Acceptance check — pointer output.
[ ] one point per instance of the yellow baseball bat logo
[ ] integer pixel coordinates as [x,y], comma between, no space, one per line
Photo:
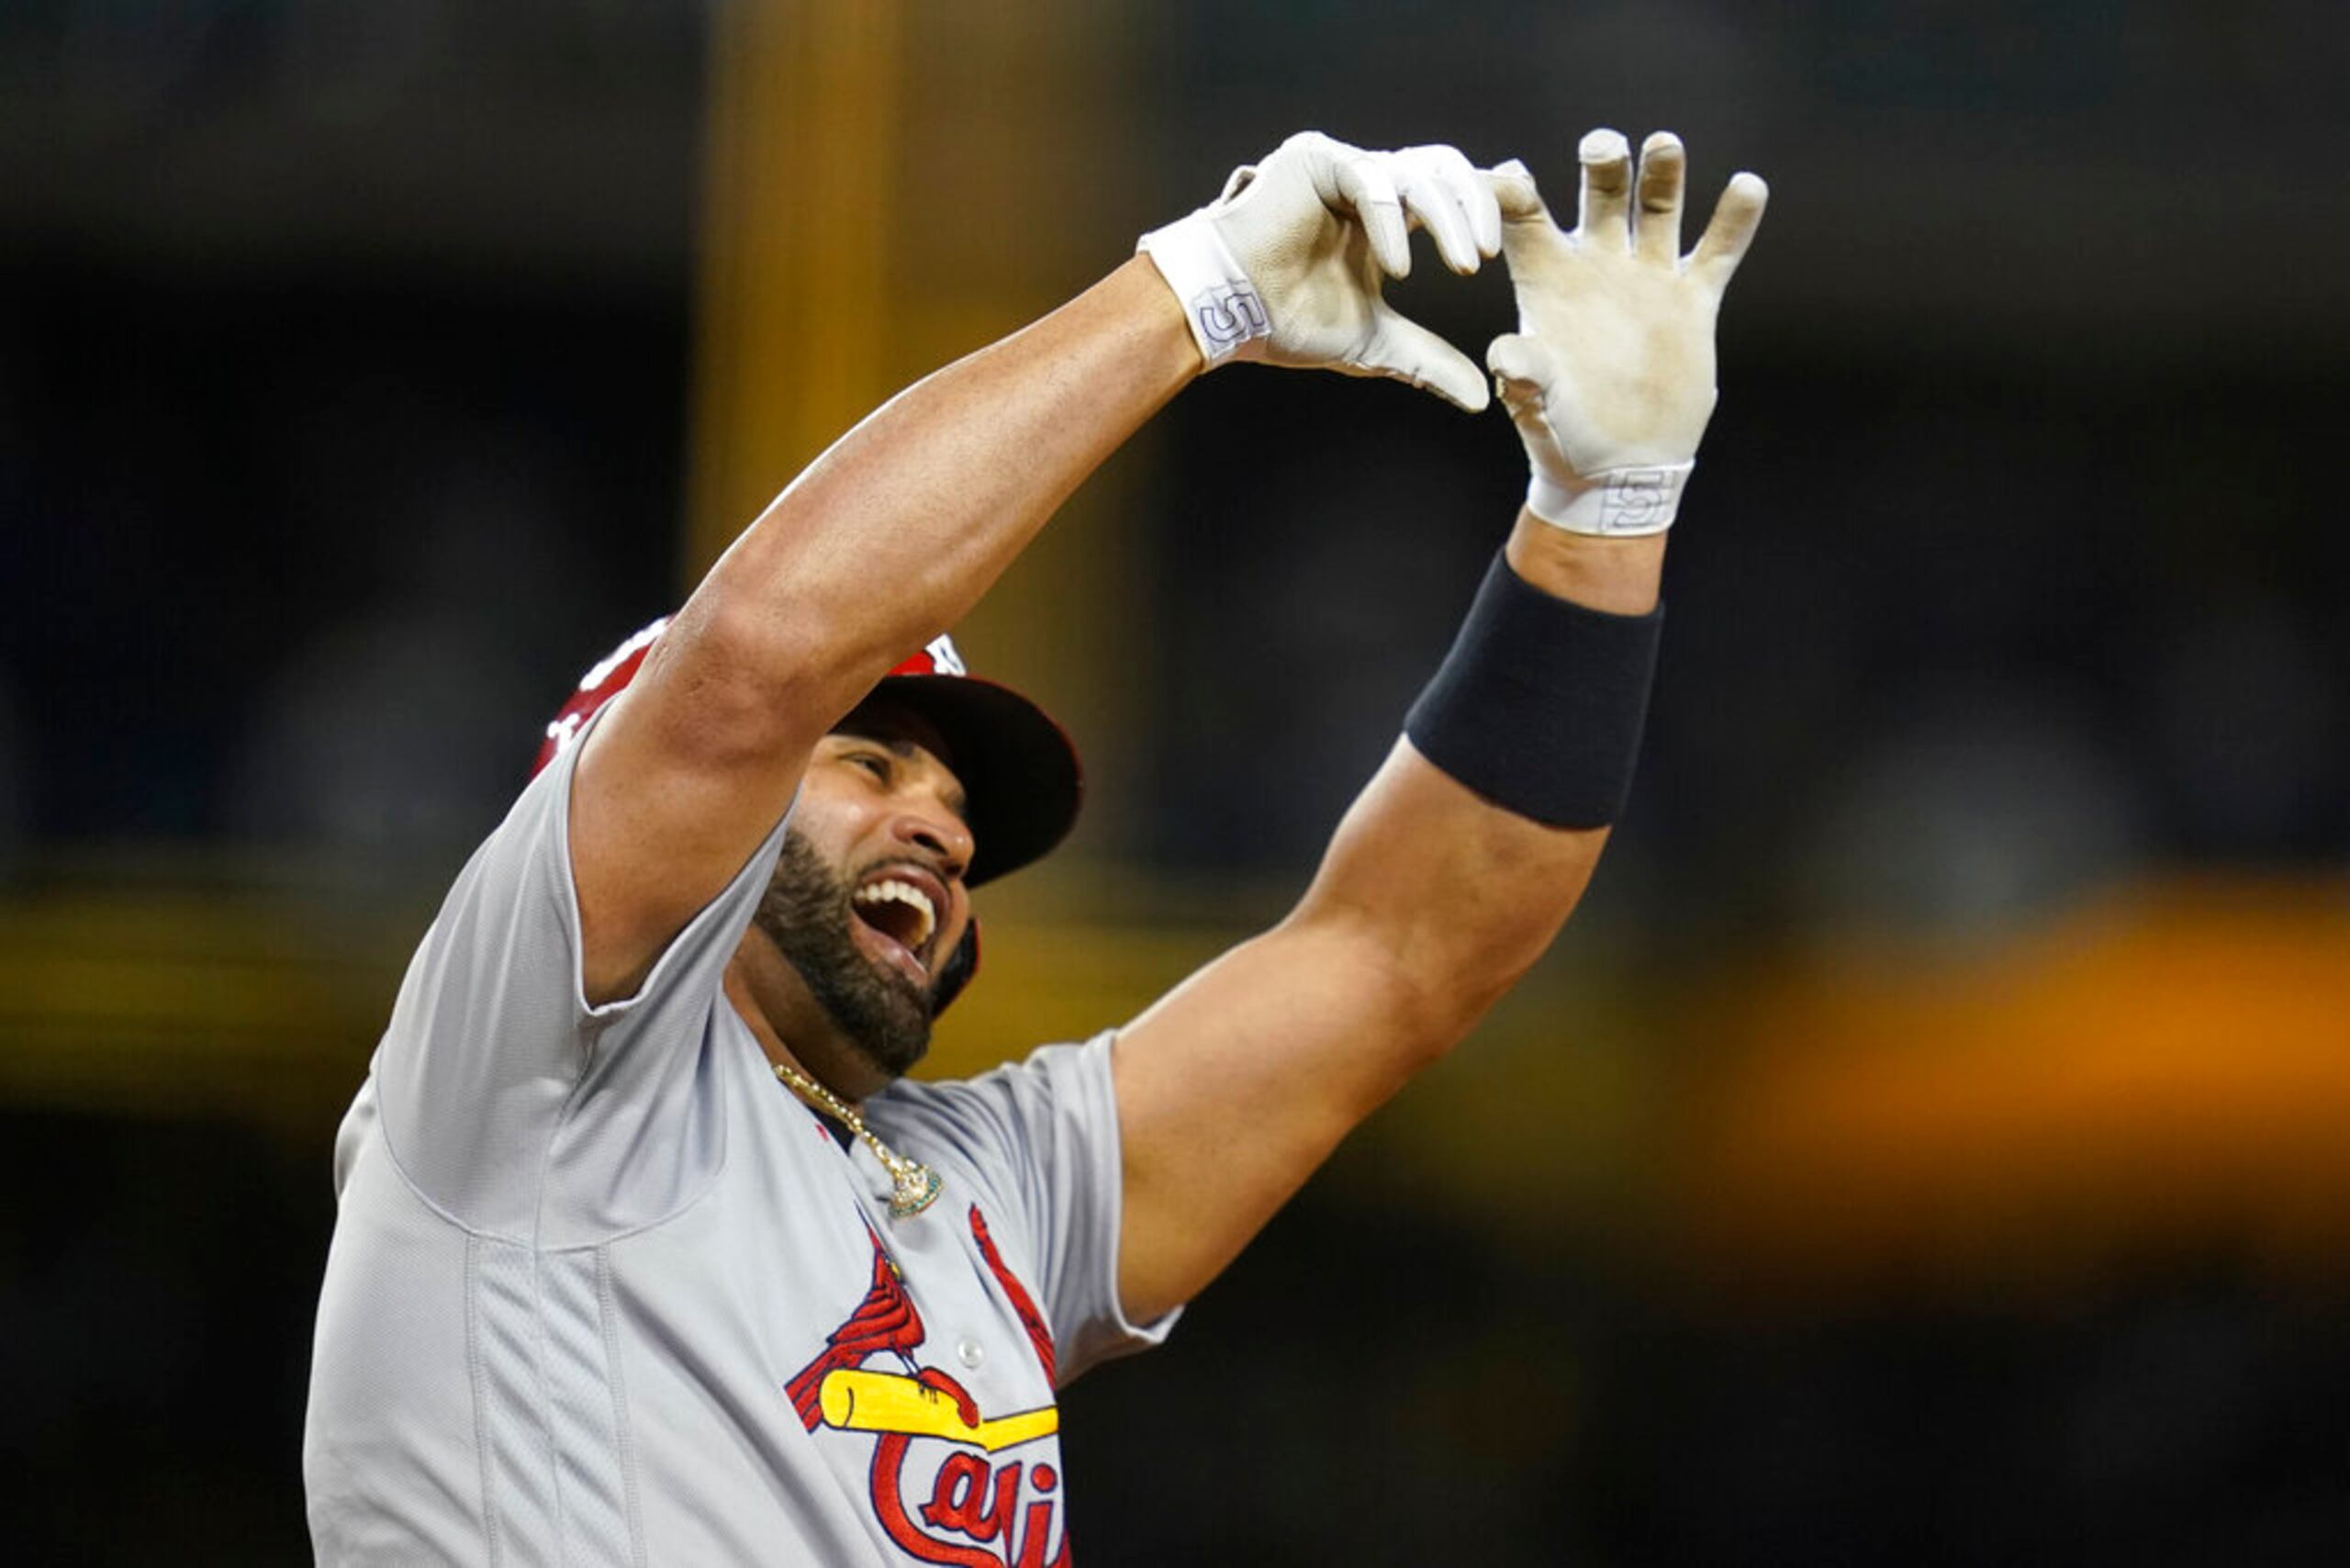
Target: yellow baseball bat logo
[891,1401]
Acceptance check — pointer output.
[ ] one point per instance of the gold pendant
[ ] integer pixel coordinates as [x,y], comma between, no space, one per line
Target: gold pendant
[913,1190]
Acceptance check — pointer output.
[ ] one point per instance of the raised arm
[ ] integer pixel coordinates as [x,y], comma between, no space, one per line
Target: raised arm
[897,528]
[1437,894]
[873,550]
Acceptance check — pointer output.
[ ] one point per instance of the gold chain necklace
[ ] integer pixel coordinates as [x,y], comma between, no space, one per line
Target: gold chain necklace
[913,1186]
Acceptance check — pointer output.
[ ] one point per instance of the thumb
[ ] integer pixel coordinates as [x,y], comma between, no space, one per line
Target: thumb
[1522,366]
[1402,348]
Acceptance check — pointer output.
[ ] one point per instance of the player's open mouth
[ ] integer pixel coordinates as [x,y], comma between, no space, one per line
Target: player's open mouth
[893,904]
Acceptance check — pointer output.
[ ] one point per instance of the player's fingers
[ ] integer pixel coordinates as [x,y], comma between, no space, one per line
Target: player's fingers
[1724,242]
[1656,222]
[1443,191]
[1484,209]
[1406,350]
[1606,160]
[1365,189]
[1514,195]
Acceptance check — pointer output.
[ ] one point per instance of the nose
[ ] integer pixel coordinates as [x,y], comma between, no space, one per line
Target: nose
[945,838]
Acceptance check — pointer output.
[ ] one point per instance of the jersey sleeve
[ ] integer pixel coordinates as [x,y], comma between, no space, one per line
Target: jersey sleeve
[506,1099]
[1039,1137]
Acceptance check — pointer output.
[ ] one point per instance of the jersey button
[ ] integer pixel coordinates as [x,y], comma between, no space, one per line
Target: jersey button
[968,1352]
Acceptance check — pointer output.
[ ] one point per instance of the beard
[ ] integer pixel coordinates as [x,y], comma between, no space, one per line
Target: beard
[885,1016]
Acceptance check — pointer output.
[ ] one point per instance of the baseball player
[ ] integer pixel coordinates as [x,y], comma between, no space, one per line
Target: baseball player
[647,1251]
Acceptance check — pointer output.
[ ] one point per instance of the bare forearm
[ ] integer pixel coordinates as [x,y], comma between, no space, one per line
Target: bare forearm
[897,530]
[1464,893]
[1430,905]
[1617,575]
[1457,896]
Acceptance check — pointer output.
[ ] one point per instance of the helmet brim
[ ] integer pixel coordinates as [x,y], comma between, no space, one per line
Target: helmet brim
[1019,770]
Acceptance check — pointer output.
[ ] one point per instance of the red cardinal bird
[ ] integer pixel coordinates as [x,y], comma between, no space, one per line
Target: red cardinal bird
[885,1321]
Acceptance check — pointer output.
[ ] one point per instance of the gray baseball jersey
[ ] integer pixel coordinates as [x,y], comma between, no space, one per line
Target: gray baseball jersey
[603,1291]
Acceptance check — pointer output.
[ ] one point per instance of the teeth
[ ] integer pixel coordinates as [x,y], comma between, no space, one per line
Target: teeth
[890,890]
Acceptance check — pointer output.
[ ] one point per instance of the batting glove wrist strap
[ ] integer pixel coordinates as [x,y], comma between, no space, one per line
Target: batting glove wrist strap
[1539,705]
[1222,306]
[1618,503]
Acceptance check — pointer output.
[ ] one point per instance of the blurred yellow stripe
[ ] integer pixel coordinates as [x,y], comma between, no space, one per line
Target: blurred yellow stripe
[2169,1066]
[800,208]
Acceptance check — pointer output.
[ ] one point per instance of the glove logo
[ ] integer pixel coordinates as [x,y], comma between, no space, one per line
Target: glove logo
[1639,501]
[1229,314]
[934,1486]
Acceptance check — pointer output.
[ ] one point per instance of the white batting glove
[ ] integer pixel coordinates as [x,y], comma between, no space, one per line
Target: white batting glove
[1285,266]
[1610,373]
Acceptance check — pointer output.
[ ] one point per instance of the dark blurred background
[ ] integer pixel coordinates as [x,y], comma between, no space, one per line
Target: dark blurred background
[1930,1144]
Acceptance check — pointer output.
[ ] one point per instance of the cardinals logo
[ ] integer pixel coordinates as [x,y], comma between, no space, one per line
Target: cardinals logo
[981,1512]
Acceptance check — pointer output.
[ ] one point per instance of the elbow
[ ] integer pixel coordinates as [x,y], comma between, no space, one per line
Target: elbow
[1442,1008]
[744,678]
[1421,1020]
[1432,987]
[806,639]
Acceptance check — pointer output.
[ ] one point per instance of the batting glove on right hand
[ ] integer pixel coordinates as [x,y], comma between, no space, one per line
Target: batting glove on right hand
[1285,266]
[1610,374]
